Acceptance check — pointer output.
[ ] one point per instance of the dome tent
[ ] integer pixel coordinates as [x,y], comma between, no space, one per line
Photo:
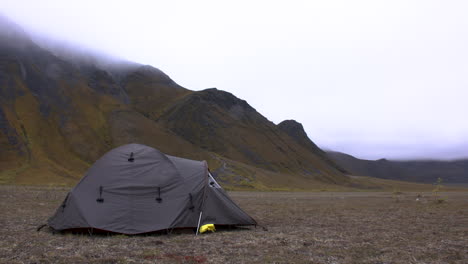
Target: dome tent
[136,189]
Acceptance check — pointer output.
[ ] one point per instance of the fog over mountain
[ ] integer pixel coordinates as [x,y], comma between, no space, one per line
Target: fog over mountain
[61,109]
[371,78]
[427,171]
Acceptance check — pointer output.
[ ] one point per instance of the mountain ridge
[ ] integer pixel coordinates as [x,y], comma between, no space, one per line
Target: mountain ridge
[57,117]
[424,171]
[297,132]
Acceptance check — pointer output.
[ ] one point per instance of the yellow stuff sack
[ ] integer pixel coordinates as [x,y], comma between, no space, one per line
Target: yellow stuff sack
[206,228]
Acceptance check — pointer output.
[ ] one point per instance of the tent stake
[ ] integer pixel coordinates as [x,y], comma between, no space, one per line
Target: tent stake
[199,219]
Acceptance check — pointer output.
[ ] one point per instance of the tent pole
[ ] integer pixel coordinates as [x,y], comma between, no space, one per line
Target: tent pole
[199,219]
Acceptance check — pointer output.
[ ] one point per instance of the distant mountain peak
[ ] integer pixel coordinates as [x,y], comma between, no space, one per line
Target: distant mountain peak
[425,171]
[292,124]
[223,99]
[295,130]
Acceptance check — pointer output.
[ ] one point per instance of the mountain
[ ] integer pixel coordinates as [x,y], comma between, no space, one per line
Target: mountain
[220,122]
[424,171]
[61,110]
[296,131]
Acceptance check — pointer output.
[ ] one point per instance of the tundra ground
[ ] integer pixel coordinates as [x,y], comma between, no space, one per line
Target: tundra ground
[320,227]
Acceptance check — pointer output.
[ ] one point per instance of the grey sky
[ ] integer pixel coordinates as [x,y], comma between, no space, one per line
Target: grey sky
[370,78]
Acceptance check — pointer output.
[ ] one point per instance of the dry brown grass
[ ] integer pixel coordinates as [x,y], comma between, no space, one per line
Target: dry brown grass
[321,227]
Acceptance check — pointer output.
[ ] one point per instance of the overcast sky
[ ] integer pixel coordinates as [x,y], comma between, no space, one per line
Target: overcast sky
[370,78]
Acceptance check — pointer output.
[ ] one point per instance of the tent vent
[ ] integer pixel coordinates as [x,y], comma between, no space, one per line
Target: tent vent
[100,199]
[191,203]
[131,159]
[159,199]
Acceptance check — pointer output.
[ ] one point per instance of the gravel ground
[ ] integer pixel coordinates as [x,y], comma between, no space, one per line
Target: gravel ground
[322,227]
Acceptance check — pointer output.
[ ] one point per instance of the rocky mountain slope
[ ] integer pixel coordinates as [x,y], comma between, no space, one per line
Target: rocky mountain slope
[296,131]
[425,171]
[58,114]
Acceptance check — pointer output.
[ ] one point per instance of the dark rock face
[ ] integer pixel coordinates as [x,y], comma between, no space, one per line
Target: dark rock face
[21,60]
[225,100]
[46,90]
[15,140]
[203,117]
[103,83]
[295,130]
[8,91]
[7,130]
[200,104]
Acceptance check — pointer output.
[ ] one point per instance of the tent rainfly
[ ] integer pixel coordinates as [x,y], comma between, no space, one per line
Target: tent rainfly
[136,189]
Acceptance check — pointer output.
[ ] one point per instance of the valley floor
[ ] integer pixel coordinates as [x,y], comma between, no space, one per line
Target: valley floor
[320,227]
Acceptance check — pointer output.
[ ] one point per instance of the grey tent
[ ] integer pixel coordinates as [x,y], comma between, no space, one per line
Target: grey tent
[137,189]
